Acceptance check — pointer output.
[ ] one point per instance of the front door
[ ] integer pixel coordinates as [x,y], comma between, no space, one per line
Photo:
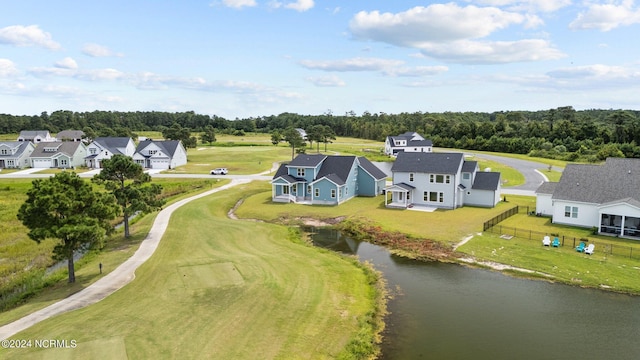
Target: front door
[2,165]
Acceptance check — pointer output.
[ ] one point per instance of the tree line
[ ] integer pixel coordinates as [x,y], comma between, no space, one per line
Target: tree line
[562,133]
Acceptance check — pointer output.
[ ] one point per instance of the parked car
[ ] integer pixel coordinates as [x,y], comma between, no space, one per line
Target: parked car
[219,171]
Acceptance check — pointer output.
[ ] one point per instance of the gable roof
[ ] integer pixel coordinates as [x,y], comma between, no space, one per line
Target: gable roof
[168,147]
[304,160]
[486,181]
[547,187]
[336,168]
[70,134]
[283,173]
[423,162]
[112,143]
[21,145]
[469,166]
[67,147]
[614,180]
[30,134]
[370,168]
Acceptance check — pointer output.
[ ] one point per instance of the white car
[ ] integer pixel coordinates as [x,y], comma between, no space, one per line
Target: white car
[219,171]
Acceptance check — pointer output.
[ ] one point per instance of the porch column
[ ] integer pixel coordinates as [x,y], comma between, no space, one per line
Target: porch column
[624,217]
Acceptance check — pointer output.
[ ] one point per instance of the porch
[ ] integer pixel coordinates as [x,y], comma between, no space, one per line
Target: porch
[400,196]
[620,225]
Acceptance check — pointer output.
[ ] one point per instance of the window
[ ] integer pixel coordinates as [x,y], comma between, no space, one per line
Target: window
[466,176]
[431,178]
[4,152]
[434,196]
[300,172]
[317,192]
[571,211]
[333,193]
[285,190]
[411,177]
[93,151]
[425,196]
[447,179]
[308,189]
[63,162]
[294,188]
[436,178]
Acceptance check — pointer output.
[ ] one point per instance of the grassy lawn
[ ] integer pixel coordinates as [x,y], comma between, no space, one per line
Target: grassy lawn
[441,225]
[224,289]
[238,160]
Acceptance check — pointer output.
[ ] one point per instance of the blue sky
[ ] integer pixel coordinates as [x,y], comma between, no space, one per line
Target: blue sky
[243,58]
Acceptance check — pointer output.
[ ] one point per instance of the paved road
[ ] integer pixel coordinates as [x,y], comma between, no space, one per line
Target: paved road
[116,279]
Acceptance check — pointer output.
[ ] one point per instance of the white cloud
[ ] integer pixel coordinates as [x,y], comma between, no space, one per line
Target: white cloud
[492,52]
[327,81]
[435,23]
[417,71]
[7,68]
[238,4]
[66,63]
[597,71]
[95,50]
[31,35]
[605,17]
[526,5]
[452,33]
[354,64]
[300,5]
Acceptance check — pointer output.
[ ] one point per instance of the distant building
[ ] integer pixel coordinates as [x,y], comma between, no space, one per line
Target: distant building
[36,136]
[167,154]
[70,135]
[407,142]
[62,155]
[105,147]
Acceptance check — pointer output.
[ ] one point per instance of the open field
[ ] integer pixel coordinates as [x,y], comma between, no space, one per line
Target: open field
[224,289]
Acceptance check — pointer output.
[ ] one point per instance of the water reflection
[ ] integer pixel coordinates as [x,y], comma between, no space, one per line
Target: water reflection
[446,311]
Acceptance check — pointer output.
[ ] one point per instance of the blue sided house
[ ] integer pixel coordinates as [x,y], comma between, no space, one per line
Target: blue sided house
[326,180]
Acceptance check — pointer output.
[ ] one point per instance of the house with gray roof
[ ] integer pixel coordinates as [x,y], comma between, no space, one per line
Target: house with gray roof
[440,180]
[70,135]
[409,142]
[61,155]
[15,154]
[105,147]
[606,197]
[326,179]
[36,136]
[167,154]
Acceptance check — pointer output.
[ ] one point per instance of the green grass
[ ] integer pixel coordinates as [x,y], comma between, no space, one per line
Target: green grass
[442,225]
[224,289]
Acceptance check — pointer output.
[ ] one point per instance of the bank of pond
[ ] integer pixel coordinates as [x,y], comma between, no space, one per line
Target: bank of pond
[447,311]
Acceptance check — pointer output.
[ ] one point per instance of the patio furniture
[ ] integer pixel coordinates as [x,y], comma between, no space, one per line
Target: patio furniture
[589,249]
[580,247]
[546,241]
[556,242]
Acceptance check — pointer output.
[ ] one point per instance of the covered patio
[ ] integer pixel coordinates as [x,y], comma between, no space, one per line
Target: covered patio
[400,196]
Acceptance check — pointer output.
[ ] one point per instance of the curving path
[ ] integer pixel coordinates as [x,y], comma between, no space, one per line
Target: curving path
[116,279]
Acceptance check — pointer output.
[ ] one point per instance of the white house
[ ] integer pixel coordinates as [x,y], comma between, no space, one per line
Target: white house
[36,136]
[63,155]
[442,180]
[15,154]
[606,197]
[407,142]
[105,147]
[167,154]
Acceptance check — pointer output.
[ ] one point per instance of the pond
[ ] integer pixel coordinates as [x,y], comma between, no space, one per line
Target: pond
[446,311]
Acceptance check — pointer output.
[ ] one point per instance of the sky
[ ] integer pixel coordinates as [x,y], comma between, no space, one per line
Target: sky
[253,58]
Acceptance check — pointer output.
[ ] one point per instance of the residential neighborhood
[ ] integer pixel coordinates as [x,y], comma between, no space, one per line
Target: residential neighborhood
[409,142]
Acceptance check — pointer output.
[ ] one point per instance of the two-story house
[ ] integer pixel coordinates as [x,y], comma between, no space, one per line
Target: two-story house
[36,136]
[407,142]
[70,135]
[326,180]
[15,154]
[105,147]
[62,155]
[167,154]
[440,180]
[606,197]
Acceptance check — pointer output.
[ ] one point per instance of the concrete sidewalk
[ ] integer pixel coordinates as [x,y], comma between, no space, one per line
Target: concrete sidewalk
[116,279]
